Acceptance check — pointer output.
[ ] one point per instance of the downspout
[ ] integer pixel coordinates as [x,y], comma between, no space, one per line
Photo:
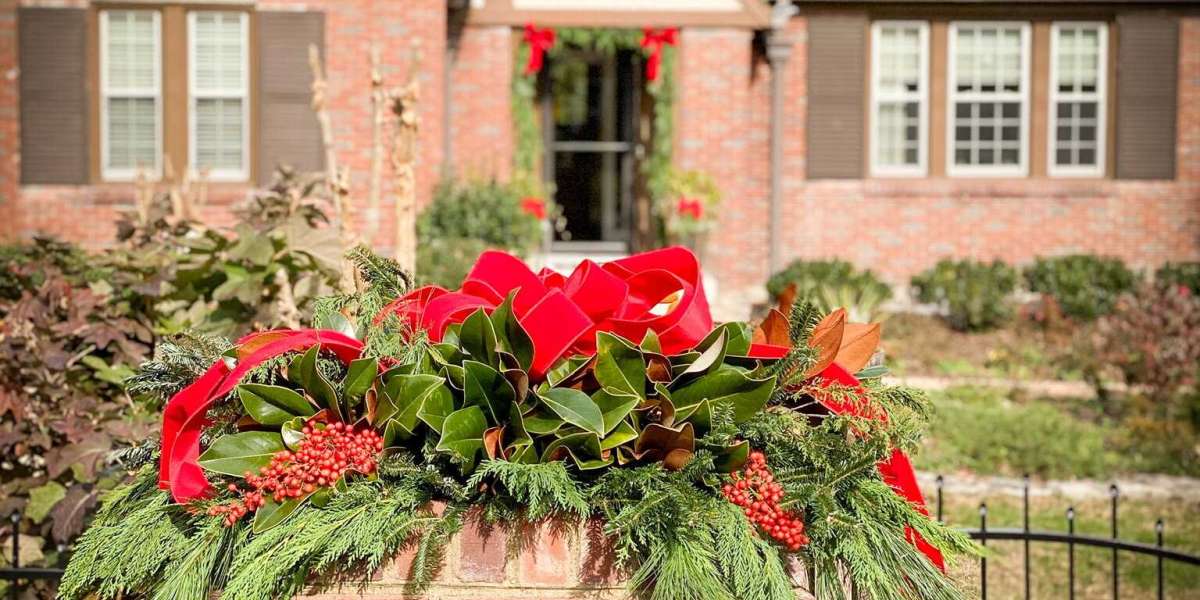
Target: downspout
[779,50]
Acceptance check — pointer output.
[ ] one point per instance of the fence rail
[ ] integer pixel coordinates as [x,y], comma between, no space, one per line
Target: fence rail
[15,573]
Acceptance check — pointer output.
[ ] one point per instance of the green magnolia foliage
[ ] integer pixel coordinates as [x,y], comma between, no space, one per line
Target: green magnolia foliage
[975,295]
[1084,286]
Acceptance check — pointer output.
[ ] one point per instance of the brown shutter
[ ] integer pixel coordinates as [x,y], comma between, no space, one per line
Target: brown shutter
[837,47]
[54,99]
[1147,79]
[288,130]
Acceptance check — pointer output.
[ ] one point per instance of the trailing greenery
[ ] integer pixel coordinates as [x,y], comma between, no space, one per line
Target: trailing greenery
[975,295]
[1084,286]
[832,284]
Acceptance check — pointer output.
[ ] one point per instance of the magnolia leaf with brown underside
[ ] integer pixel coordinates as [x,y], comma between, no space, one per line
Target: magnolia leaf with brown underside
[827,339]
[787,298]
[773,330]
[859,342]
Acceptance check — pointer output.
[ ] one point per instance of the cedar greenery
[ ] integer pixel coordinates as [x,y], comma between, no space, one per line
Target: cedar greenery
[673,532]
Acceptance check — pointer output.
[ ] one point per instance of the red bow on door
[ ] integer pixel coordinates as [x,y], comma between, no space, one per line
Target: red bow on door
[540,41]
[654,39]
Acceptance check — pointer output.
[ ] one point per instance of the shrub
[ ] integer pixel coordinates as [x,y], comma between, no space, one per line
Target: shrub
[1185,274]
[832,284]
[487,211]
[446,261]
[975,295]
[1083,285]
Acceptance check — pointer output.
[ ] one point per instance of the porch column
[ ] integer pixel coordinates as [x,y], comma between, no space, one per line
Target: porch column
[779,50]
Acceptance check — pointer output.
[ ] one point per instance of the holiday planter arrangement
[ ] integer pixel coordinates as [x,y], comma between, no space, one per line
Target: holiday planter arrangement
[603,407]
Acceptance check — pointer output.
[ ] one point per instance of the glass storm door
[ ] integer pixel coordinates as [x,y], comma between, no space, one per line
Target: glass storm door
[589,103]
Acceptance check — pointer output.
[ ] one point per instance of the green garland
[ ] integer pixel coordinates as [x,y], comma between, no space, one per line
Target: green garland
[529,147]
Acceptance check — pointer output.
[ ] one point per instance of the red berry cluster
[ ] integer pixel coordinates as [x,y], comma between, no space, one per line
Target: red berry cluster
[320,459]
[755,490]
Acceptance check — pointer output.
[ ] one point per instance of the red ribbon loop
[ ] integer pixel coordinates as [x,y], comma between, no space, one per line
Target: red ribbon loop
[562,314]
[654,40]
[184,416]
[540,41]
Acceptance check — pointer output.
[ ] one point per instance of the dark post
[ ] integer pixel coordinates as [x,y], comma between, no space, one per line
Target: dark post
[1025,522]
[983,559]
[15,518]
[939,481]
[1158,532]
[1116,572]
[1071,553]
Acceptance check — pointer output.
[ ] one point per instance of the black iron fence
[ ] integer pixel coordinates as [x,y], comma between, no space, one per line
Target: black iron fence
[16,575]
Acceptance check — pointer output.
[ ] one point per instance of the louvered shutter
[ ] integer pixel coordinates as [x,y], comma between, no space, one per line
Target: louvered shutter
[54,99]
[1147,83]
[837,47]
[288,130]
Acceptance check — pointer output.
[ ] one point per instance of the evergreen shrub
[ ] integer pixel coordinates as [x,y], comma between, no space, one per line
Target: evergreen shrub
[1084,286]
[975,295]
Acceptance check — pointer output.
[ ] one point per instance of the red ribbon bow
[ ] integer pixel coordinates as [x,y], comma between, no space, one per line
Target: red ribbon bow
[690,207]
[540,41]
[184,417]
[655,39]
[562,314]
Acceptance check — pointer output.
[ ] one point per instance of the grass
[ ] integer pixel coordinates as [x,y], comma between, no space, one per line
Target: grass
[991,432]
[1092,565]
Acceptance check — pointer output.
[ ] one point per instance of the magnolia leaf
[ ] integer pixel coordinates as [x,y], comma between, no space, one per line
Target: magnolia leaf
[571,371]
[42,499]
[651,343]
[710,359]
[313,382]
[620,365]
[493,442]
[859,342]
[827,339]
[478,338]
[583,448]
[623,433]
[518,436]
[403,397]
[511,336]
[677,459]
[236,453]
[576,408]
[273,404]
[336,321]
[271,513]
[737,338]
[486,387]
[359,377]
[614,406]
[727,385]
[871,372]
[774,330]
[462,435]
[734,457]
[656,441]
[437,406]
[292,432]
[658,368]
[540,422]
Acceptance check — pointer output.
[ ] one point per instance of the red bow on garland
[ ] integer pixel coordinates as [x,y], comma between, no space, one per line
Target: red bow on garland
[562,314]
[540,41]
[654,40]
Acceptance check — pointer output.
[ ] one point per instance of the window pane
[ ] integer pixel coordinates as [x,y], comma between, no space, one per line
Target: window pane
[132,133]
[898,94]
[130,50]
[218,136]
[988,94]
[219,50]
[1077,64]
[988,59]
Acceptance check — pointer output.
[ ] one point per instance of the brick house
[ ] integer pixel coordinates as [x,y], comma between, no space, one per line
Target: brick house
[888,133]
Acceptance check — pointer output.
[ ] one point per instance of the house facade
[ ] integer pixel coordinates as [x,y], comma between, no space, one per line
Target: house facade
[891,134]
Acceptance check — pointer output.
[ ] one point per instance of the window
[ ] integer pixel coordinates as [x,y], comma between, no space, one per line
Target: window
[218,94]
[1077,82]
[899,87]
[988,110]
[130,94]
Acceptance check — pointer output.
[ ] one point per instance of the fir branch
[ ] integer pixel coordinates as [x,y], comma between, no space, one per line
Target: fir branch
[542,489]
[177,362]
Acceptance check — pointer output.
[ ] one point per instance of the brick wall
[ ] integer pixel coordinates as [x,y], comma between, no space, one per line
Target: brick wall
[86,213]
[900,227]
[481,130]
[551,561]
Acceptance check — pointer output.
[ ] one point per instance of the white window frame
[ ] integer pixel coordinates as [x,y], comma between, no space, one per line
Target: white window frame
[242,173]
[1100,97]
[155,92]
[953,96]
[921,97]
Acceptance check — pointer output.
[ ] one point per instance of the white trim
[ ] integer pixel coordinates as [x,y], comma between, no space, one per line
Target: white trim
[154,92]
[242,93]
[1100,97]
[921,96]
[953,96]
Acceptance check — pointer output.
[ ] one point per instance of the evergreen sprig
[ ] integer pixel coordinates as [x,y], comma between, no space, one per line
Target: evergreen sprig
[541,490]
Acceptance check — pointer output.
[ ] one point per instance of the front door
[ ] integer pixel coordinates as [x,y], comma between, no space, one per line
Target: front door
[590,104]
